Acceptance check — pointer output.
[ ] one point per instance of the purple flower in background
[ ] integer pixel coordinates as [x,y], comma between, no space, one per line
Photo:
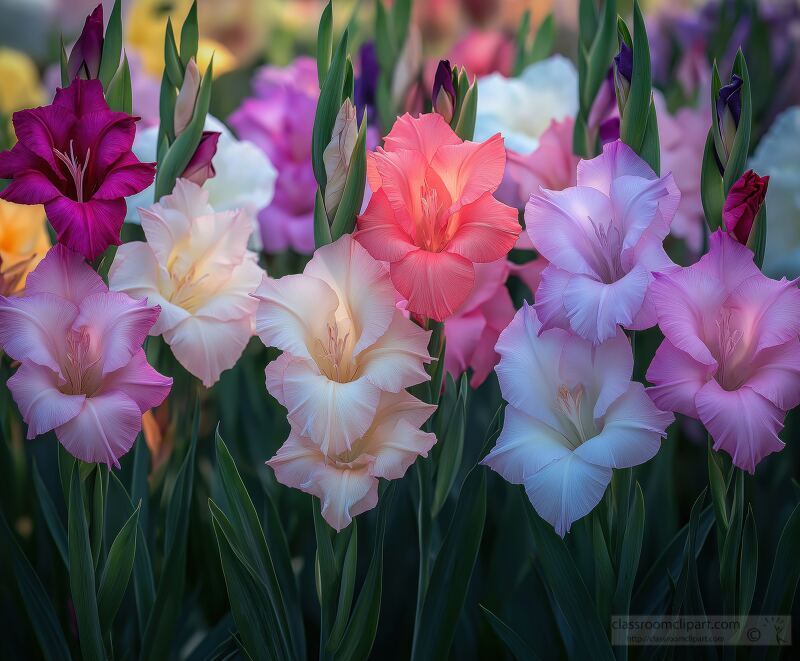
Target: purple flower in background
[84,59]
[366,84]
[279,119]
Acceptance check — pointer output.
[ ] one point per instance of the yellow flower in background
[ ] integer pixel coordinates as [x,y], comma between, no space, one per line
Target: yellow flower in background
[145,24]
[19,82]
[23,243]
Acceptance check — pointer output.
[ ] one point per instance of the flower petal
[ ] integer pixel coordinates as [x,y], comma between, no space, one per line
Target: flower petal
[435,284]
[87,227]
[549,303]
[776,375]
[487,230]
[617,160]
[42,405]
[425,133]
[676,379]
[64,273]
[471,169]
[380,233]
[139,381]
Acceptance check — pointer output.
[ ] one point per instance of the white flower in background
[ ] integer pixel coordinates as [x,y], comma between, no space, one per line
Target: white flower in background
[522,108]
[245,177]
[778,155]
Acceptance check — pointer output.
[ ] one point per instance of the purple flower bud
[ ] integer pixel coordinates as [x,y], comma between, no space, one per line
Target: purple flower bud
[444,92]
[730,97]
[624,61]
[84,59]
[200,167]
[743,204]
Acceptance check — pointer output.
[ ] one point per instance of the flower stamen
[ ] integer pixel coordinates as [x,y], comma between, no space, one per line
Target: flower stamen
[75,170]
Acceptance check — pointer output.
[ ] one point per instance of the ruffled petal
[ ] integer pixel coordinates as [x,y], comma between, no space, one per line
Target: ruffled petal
[632,431]
[139,381]
[676,379]
[487,230]
[42,405]
[64,273]
[104,430]
[776,375]
[549,304]
[87,227]
[380,233]
[425,133]
[274,373]
[234,300]
[742,422]
[434,284]
[470,169]
[617,160]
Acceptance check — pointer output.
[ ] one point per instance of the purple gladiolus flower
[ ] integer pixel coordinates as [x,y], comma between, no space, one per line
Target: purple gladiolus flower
[624,61]
[74,156]
[444,93]
[84,59]
[730,97]
[366,85]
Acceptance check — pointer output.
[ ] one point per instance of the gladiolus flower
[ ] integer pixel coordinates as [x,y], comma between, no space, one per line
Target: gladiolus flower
[200,167]
[432,214]
[23,243]
[347,482]
[83,372]
[84,58]
[573,415]
[603,239]
[195,264]
[344,342]
[731,353]
[74,156]
[743,204]
[443,95]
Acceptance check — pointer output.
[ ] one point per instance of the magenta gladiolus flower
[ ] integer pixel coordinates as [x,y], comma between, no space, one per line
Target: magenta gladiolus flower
[743,204]
[603,239]
[74,156]
[731,357]
[84,59]
[83,372]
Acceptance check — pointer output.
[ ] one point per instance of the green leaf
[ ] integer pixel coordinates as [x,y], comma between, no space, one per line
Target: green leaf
[386,47]
[117,571]
[523,32]
[190,36]
[401,19]
[248,538]
[64,62]
[543,41]
[452,571]
[112,46]
[330,100]
[512,640]
[51,517]
[599,54]
[729,558]
[346,589]
[247,594]
[322,231]
[737,160]
[119,94]
[81,574]
[782,584]
[98,511]
[636,114]
[325,569]
[353,194]
[360,633]
[569,591]
[452,448]
[166,609]
[173,69]
[37,604]
[757,242]
[651,150]
[467,114]
[748,564]
[718,490]
[66,462]
[603,570]
[324,43]
[711,186]
[630,553]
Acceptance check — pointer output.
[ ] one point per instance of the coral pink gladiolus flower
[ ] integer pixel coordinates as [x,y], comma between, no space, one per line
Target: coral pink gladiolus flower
[347,483]
[75,157]
[731,354]
[195,264]
[83,372]
[343,340]
[573,415]
[432,214]
[604,240]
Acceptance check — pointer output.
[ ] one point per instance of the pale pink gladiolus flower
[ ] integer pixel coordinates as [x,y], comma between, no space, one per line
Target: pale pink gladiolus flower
[195,264]
[731,354]
[573,415]
[82,371]
[604,241]
[344,342]
[432,214]
[347,483]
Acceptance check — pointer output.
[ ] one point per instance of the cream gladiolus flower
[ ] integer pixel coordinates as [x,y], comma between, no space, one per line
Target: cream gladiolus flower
[344,343]
[347,483]
[196,266]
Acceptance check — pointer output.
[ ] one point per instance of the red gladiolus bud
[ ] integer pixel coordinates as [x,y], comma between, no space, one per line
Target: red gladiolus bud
[200,167]
[84,59]
[743,204]
[444,92]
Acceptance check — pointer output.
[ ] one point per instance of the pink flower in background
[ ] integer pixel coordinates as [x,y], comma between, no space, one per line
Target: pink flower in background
[683,138]
[344,342]
[279,119]
[573,415]
[432,214]
[743,203]
[482,52]
[74,156]
[195,265]
[731,353]
[347,483]
[82,370]
[551,165]
[604,241]
[473,329]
